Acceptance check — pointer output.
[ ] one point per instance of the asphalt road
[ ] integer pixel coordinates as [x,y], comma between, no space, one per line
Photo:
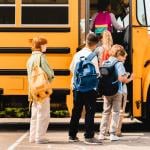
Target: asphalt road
[14,136]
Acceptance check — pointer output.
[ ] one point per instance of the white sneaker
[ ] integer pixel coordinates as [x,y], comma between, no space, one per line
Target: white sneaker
[101,137]
[31,141]
[42,141]
[114,137]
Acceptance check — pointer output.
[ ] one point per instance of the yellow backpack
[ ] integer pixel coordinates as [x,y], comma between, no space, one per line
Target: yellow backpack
[40,87]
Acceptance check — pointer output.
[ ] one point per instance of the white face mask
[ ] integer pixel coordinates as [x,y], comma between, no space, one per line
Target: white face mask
[43,48]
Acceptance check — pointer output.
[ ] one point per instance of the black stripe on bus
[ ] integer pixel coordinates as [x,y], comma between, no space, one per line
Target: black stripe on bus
[61,91]
[13,29]
[26,50]
[1,91]
[57,72]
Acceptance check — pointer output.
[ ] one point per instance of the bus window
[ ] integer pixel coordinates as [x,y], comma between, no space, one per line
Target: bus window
[147,4]
[141,12]
[7,12]
[45,12]
[45,1]
[82,16]
[87,9]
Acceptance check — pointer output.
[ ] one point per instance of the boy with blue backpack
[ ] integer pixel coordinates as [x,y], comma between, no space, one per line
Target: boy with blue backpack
[84,67]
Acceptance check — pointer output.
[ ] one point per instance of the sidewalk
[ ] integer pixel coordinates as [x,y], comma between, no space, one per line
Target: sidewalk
[57,120]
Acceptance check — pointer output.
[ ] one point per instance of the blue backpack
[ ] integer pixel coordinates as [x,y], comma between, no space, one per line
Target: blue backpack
[108,82]
[85,76]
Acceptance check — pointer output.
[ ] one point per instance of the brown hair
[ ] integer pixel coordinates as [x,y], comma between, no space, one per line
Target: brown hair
[118,50]
[91,39]
[37,42]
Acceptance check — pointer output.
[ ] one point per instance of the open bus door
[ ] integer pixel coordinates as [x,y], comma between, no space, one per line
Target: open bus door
[87,8]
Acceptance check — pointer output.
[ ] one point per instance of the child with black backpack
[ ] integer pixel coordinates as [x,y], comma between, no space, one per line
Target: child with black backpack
[129,77]
[112,77]
[84,67]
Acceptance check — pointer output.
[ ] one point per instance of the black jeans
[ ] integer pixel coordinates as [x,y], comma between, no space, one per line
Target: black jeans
[87,99]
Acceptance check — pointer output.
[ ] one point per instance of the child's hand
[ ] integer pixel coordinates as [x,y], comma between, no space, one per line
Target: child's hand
[131,76]
[127,74]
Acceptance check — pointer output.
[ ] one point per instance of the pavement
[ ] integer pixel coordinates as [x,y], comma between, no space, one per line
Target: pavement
[14,135]
[59,141]
[59,120]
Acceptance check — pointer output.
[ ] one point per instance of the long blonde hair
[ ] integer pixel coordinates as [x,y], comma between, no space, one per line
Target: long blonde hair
[107,40]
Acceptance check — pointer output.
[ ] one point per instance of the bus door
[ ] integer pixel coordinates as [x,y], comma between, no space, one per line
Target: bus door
[88,9]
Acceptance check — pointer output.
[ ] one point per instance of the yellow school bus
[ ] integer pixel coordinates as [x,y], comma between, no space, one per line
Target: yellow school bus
[20,20]
[65,24]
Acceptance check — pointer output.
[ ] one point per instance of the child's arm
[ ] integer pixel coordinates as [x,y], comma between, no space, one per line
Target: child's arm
[129,79]
[125,79]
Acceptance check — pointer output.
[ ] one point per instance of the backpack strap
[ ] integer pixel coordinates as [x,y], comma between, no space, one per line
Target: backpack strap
[38,60]
[115,62]
[91,56]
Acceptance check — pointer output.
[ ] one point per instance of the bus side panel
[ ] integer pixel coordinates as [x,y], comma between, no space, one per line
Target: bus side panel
[139,49]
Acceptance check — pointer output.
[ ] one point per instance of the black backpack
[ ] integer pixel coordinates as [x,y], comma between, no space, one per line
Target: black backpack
[108,82]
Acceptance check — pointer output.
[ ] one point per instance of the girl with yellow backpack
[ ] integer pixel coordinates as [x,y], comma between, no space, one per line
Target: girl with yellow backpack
[39,77]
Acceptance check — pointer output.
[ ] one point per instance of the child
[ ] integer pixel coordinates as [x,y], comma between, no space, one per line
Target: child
[87,99]
[113,103]
[40,112]
[103,51]
[103,19]
[124,96]
[113,52]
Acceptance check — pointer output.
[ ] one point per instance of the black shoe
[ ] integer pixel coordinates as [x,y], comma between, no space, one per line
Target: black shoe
[73,139]
[92,141]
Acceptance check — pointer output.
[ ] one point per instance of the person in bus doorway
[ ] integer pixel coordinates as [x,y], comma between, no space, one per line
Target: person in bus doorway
[40,112]
[87,98]
[112,104]
[104,19]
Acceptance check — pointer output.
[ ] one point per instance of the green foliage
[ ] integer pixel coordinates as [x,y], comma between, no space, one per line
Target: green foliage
[15,113]
[60,113]
[24,113]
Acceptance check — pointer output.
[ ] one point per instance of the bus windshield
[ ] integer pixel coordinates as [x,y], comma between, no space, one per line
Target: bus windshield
[143,12]
[147,6]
